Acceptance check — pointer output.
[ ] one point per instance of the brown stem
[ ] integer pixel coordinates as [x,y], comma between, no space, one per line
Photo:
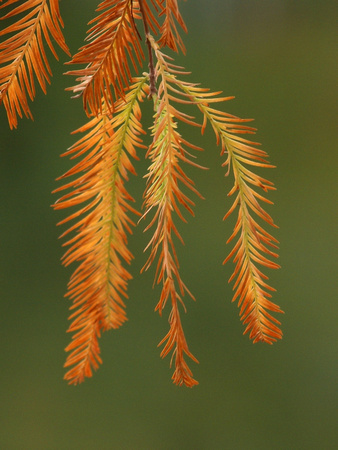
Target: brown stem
[152,72]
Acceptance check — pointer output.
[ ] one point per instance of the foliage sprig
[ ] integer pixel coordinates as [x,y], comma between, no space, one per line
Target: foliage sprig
[112,93]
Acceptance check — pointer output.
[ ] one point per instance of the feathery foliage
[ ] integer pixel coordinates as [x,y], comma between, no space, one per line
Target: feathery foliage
[22,54]
[96,190]
[99,284]
[112,40]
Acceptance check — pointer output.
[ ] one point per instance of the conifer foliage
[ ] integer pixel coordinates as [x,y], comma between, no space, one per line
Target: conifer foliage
[113,84]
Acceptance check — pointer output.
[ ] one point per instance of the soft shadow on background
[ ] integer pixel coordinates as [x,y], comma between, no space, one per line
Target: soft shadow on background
[277,58]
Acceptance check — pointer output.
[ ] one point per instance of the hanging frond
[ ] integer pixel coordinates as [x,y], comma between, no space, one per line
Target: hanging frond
[113,45]
[23,54]
[99,284]
[169,34]
[163,195]
[254,243]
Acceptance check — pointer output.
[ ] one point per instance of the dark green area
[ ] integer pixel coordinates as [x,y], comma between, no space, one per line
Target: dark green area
[277,58]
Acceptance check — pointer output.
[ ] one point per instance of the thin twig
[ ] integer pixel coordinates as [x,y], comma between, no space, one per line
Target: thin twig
[152,72]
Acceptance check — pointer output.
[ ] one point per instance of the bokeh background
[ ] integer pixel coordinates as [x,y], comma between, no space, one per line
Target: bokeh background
[278,59]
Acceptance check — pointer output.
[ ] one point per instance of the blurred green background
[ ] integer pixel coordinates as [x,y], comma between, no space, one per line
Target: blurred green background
[277,58]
